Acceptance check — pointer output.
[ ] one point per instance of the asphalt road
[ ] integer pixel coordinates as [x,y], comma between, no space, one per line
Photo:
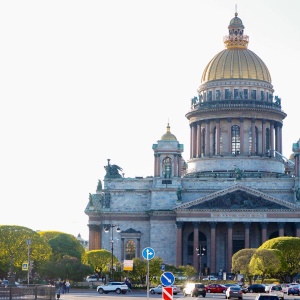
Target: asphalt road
[139,295]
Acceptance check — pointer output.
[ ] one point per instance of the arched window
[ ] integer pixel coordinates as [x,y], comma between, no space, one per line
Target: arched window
[235,140]
[167,167]
[268,142]
[253,139]
[130,249]
[203,141]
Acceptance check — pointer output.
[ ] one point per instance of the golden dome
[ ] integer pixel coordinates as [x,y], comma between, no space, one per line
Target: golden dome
[236,62]
[168,136]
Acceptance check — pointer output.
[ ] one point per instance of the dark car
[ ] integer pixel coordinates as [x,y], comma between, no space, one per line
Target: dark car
[216,288]
[199,290]
[234,291]
[256,288]
[294,290]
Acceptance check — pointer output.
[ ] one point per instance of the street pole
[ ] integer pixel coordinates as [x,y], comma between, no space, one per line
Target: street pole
[200,250]
[110,227]
[28,242]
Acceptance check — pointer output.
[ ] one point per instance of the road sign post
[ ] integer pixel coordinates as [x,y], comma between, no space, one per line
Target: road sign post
[167,293]
[148,253]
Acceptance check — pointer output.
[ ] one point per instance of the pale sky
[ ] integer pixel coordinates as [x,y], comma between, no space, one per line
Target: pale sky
[84,81]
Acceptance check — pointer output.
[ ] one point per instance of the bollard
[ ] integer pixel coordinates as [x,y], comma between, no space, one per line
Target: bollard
[57,296]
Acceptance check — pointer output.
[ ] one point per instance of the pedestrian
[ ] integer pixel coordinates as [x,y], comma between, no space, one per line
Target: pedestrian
[64,287]
[68,286]
[128,283]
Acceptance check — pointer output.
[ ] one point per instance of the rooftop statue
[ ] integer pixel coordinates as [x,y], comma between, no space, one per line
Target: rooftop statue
[112,171]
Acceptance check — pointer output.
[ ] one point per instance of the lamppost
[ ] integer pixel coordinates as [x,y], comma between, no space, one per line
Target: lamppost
[106,229]
[28,242]
[201,251]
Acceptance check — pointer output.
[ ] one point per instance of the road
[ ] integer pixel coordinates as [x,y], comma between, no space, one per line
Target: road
[142,295]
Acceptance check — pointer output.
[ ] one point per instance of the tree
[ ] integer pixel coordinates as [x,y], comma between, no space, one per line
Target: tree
[99,260]
[241,261]
[14,249]
[266,262]
[63,244]
[67,267]
[290,248]
[139,272]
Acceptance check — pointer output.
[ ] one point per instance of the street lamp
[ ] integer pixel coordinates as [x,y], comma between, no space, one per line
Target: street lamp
[201,251]
[106,229]
[28,242]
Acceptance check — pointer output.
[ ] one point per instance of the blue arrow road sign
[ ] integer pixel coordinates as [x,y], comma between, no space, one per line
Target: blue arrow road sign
[167,278]
[148,253]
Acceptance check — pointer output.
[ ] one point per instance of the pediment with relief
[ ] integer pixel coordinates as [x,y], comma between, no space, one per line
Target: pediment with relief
[237,197]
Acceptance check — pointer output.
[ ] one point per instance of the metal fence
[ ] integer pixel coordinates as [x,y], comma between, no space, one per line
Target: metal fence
[28,292]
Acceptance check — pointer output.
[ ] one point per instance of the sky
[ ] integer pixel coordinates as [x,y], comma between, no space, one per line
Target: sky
[86,81]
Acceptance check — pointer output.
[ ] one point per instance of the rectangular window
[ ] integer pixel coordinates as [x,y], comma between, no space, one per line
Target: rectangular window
[246,94]
[262,96]
[218,95]
[236,94]
[253,95]
[227,94]
[209,96]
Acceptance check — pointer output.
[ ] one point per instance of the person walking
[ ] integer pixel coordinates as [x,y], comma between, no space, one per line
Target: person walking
[68,286]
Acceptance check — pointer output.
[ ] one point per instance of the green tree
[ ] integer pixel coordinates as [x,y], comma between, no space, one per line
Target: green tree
[14,249]
[100,260]
[188,271]
[139,272]
[67,267]
[266,262]
[241,261]
[290,248]
[63,244]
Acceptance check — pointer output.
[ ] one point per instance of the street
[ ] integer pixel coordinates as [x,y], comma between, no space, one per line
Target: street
[92,295]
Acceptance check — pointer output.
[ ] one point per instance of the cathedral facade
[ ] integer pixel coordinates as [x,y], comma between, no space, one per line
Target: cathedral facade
[236,190]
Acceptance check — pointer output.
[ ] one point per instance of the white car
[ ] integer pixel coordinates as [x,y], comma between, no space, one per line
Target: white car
[92,278]
[277,290]
[118,287]
[158,289]
[210,278]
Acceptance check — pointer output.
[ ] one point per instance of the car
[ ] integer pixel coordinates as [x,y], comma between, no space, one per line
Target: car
[266,297]
[210,278]
[234,291]
[194,289]
[285,286]
[277,290]
[113,286]
[215,288]
[268,287]
[92,278]
[158,289]
[294,290]
[256,288]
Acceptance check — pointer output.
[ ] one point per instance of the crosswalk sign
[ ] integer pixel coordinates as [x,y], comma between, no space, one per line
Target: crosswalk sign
[25,266]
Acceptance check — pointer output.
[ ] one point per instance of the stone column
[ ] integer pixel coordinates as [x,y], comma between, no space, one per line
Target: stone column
[247,234]
[138,248]
[263,137]
[191,141]
[94,237]
[281,228]
[218,136]
[272,138]
[213,226]
[229,135]
[122,248]
[179,244]
[253,136]
[175,168]
[264,226]
[229,245]
[195,245]
[297,225]
[194,140]
[199,139]
[207,138]
[242,150]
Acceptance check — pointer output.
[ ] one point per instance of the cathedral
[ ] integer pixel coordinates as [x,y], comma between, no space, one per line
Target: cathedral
[235,191]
